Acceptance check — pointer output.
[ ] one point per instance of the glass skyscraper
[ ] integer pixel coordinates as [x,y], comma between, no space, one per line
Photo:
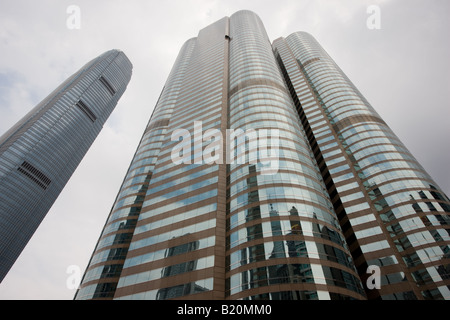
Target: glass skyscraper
[392,212]
[39,153]
[340,193]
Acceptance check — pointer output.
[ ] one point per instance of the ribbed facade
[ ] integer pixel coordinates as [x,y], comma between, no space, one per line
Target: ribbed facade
[392,212]
[284,240]
[40,153]
[173,216]
[304,225]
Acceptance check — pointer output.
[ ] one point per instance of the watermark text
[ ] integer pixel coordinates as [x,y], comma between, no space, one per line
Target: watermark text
[73,21]
[374,19]
[253,146]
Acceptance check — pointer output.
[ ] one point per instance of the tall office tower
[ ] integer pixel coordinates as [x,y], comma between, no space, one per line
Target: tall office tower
[193,221]
[39,154]
[391,211]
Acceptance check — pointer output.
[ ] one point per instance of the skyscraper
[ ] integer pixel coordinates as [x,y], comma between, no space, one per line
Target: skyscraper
[392,212]
[39,153]
[192,222]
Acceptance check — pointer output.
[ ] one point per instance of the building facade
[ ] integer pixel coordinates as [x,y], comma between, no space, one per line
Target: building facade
[391,211]
[39,154]
[290,221]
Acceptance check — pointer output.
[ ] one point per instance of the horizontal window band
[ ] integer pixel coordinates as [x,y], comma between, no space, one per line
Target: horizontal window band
[254,82]
[303,65]
[338,126]
[157,124]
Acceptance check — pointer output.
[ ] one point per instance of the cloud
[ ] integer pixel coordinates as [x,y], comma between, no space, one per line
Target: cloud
[402,69]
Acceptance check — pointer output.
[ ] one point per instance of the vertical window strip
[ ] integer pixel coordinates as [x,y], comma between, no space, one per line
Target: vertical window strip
[107,85]
[86,110]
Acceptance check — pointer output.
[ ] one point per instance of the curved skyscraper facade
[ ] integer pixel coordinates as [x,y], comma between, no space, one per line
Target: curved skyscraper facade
[393,214]
[264,174]
[168,221]
[40,153]
[284,240]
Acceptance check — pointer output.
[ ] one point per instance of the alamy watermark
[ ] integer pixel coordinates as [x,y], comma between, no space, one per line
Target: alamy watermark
[253,146]
[73,21]
[373,21]
[374,280]
[74,279]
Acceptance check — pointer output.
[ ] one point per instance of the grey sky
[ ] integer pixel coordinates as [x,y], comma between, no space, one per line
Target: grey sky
[403,69]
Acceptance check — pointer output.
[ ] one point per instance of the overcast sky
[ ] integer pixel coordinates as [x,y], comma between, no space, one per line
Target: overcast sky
[403,69]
